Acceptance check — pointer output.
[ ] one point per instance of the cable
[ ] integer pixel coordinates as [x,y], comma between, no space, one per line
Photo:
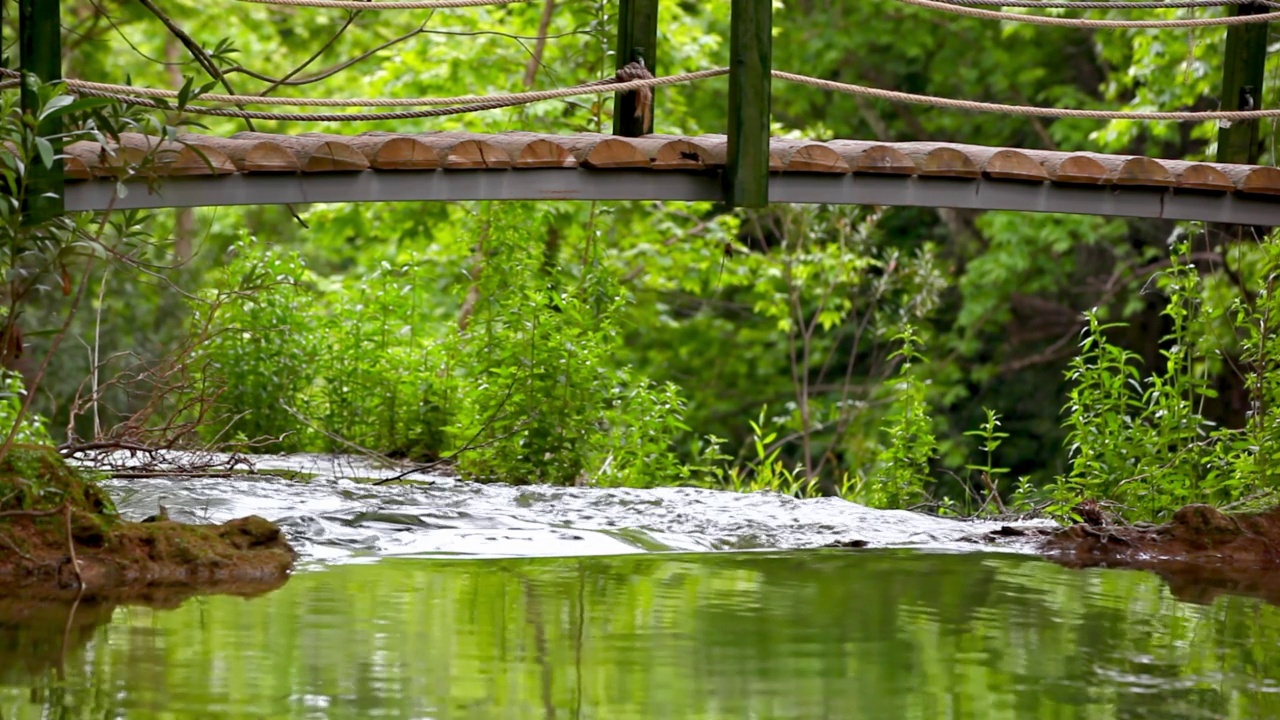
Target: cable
[1024,110]
[475,103]
[86,86]
[495,102]
[1085,23]
[1103,5]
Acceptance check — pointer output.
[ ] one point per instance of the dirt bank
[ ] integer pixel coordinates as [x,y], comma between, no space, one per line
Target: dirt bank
[1201,552]
[61,537]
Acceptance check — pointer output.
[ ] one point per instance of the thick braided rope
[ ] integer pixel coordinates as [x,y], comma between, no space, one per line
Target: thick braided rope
[1104,5]
[598,87]
[409,5]
[1024,110]
[103,88]
[1085,23]
[612,85]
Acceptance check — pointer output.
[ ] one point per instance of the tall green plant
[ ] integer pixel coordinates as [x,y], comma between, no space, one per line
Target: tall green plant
[902,476]
[539,396]
[261,352]
[1138,439]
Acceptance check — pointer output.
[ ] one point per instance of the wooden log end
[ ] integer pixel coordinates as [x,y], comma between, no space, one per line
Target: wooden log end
[883,160]
[1143,171]
[544,153]
[1013,165]
[73,168]
[197,159]
[333,156]
[948,162]
[266,157]
[102,161]
[613,153]
[74,164]
[401,153]
[1198,176]
[680,155]
[814,158]
[475,155]
[1260,181]
[1081,170]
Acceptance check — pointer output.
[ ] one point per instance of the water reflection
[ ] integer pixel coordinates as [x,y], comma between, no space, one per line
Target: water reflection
[874,634]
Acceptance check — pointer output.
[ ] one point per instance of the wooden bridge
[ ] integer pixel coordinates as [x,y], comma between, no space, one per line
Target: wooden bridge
[744,169]
[254,168]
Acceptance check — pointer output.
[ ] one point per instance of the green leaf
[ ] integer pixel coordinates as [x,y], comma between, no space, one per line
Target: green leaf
[45,148]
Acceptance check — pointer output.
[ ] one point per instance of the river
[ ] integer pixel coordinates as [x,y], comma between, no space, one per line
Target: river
[453,600]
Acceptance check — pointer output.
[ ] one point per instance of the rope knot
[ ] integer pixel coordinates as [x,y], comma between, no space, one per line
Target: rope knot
[644,96]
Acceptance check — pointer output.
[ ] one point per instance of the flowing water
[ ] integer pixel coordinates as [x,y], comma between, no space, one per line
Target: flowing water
[452,600]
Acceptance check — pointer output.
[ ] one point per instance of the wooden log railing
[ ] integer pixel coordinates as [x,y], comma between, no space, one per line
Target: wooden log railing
[316,153]
[252,154]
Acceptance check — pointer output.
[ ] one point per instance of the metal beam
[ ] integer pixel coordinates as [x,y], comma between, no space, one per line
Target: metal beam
[637,40]
[40,53]
[554,184]
[750,60]
[1242,74]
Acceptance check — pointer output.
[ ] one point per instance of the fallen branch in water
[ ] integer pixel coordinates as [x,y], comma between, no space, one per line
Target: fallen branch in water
[450,457]
[142,475]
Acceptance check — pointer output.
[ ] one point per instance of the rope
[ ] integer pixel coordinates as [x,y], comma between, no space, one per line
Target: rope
[1024,110]
[492,102]
[1084,23]
[465,104]
[1116,5]
[414,5]
[102,88]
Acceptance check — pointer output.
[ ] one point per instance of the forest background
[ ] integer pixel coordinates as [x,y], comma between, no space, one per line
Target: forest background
[928,358]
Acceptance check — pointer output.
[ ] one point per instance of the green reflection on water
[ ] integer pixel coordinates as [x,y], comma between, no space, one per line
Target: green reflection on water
[867,634]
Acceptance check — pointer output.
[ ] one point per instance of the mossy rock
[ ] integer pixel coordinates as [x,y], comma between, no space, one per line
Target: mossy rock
[36,477]
[62,537]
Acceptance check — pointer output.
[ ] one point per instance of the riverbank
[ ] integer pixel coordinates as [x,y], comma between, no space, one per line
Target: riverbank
[60,536]
[1201,552]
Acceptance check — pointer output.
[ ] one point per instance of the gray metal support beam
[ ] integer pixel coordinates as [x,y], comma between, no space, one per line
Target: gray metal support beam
[581,184]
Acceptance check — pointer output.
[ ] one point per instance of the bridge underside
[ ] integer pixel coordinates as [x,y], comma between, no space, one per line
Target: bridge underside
[256,169]
[979,194]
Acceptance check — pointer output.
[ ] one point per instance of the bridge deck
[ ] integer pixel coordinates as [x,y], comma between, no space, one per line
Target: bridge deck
[253,168]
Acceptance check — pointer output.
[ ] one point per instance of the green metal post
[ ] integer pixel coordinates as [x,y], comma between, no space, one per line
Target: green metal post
[1242,74]
[637,40]
[40,52]
[750,53]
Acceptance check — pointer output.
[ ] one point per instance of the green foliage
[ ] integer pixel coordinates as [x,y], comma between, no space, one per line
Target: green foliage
[903,474]
[767,471]
[261,346]
[376,378]
[527,392]
[1140,439]
[30,426]
[607,338]
[538,395]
